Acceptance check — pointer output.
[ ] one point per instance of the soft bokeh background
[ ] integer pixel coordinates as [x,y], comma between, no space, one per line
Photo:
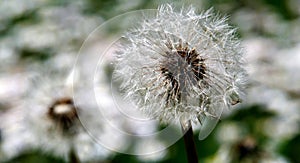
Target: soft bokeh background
[47,34]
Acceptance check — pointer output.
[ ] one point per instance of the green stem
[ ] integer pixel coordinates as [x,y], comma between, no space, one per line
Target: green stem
[73,158]
[189,142]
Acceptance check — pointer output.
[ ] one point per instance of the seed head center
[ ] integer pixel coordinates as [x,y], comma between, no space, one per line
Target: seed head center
[62,109]
[183,66]
[63,113]
[183,62]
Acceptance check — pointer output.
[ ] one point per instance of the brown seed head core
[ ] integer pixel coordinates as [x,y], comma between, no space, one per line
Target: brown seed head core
[63,113]
[183,65]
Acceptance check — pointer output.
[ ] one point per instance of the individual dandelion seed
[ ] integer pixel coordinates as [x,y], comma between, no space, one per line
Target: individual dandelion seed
[182,66]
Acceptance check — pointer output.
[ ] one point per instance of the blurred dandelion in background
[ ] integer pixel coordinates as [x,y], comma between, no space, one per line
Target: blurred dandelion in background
[52,117]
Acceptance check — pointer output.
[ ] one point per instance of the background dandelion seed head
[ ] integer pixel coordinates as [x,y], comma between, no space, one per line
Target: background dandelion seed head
[180,63]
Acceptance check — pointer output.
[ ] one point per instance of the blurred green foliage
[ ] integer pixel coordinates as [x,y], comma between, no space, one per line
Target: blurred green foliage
[29,17]
[34,157]
[281,7]
[36,54]
[291,149]
[104,7]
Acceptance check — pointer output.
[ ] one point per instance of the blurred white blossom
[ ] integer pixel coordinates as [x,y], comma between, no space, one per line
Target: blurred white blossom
[52,118]
[15,137]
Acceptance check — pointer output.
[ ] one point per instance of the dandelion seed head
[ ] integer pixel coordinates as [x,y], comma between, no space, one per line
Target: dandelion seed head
[52,118]
[182,64]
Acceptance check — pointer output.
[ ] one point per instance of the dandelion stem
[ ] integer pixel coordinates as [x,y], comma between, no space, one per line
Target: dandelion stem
[73,158]
[189,142]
